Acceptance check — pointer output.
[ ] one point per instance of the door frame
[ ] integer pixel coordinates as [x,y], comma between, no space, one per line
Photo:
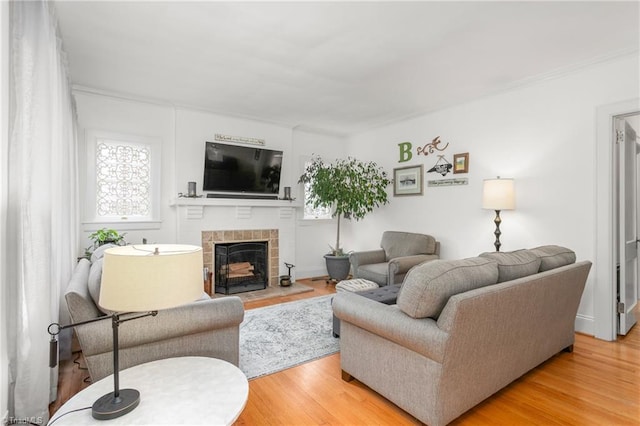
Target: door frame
[604,292]
[627,260]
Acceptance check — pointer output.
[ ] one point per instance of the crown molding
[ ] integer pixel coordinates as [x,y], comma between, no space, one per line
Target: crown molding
[522,83]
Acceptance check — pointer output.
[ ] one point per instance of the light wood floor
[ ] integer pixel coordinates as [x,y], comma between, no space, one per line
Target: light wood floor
[597,384]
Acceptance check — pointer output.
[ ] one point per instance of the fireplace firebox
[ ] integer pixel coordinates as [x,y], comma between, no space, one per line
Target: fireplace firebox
[241,266]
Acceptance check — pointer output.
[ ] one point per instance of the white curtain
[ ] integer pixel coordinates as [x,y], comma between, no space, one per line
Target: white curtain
[43,201]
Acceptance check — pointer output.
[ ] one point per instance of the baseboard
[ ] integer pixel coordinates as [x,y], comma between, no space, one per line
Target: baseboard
[310,273]
[585,324]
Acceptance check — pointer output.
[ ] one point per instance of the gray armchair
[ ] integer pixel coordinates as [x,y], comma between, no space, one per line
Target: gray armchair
[399,252]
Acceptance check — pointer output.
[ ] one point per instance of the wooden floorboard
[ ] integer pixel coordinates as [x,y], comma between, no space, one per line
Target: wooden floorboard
[597,384]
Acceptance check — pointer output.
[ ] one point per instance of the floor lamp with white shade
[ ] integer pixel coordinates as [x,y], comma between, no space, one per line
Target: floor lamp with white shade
[498,194]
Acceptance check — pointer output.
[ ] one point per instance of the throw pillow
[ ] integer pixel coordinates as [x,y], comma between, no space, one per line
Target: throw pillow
[427,287]
[99,252]
[552,256]
[515,264]
[93,284]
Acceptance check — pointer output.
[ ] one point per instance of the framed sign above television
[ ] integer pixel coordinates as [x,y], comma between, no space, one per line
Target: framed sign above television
[241,171]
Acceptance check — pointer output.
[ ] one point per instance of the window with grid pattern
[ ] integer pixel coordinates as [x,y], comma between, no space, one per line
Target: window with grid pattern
[123,181]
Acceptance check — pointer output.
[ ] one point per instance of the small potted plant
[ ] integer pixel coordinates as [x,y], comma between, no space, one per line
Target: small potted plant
[104,236]
[352,188]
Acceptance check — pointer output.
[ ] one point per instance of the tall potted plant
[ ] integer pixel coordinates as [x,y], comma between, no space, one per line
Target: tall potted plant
[352,188]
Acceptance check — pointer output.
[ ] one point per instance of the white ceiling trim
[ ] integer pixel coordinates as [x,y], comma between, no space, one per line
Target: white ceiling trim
[77,88]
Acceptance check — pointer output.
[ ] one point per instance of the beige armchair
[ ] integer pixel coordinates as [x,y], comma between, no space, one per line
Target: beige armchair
[399,252]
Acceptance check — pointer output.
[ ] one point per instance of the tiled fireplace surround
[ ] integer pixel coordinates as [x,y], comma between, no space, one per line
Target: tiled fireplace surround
[207,221]
[211,238]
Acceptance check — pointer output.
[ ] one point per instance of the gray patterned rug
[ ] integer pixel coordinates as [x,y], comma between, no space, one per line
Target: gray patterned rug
[281,336]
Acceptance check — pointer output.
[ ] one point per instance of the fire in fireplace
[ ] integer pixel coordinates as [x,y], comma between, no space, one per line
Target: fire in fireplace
[241,266]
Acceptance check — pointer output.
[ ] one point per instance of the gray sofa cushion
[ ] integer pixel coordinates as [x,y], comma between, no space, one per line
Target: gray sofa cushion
[515,264]
[427,287]
[552,256]
[399,244]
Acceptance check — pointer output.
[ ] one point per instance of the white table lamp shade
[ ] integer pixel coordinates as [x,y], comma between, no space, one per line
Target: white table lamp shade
[498,194]
[151,277]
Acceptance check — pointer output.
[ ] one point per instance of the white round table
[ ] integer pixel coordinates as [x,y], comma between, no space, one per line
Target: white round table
[183,390]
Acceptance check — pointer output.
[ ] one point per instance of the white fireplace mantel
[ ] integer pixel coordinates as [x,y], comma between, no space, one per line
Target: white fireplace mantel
[196,216]
[195,206]
[232,202]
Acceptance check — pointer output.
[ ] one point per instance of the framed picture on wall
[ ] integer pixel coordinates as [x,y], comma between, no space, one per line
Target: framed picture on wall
[407,180]
[461,163]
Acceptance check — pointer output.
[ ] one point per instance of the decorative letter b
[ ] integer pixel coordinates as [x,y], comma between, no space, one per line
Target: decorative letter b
[405,151]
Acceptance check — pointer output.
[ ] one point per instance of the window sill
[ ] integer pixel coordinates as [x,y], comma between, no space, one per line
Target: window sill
[313,222]
[122,225]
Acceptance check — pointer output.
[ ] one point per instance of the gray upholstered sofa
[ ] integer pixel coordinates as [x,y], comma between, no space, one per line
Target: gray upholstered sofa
[398,252]
[208,328]
[462,330]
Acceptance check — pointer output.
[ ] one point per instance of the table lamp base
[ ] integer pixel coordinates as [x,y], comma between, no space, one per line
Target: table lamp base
[109,407]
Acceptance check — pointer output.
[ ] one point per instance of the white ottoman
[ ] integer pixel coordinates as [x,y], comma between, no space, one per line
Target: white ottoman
[357,284]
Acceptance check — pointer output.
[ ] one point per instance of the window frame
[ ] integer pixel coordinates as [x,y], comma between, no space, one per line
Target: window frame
[92,221]
[304,160]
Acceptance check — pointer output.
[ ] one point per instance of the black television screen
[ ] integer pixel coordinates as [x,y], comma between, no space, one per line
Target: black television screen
[241,169]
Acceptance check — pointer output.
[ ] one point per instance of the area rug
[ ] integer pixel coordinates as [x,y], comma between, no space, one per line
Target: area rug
[282,336]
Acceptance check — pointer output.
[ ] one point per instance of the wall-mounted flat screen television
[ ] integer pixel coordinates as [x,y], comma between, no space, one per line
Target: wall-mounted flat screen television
[241,170]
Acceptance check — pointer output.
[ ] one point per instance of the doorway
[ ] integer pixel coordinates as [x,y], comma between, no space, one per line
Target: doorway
[625,219]
[604,323]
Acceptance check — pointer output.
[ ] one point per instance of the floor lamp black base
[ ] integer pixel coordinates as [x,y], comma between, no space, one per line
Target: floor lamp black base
[108,407]
[497,232]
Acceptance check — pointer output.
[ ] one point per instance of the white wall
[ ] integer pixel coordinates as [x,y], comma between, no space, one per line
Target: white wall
[118,115]
[314,236]
[4,158]
[543,135]
[301,242]
[193,128]
[183,133]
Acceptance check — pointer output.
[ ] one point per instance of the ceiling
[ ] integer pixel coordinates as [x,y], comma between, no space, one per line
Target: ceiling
[336,67]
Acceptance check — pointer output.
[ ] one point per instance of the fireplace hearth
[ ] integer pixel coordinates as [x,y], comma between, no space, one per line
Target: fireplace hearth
[241,266]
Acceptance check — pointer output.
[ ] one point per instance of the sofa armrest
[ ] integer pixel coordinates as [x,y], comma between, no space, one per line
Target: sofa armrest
[401,265]
[358,258]
[389,322]
[193,318]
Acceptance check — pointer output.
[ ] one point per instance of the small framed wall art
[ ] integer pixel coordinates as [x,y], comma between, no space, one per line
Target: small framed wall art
[407,180]
[461,163]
